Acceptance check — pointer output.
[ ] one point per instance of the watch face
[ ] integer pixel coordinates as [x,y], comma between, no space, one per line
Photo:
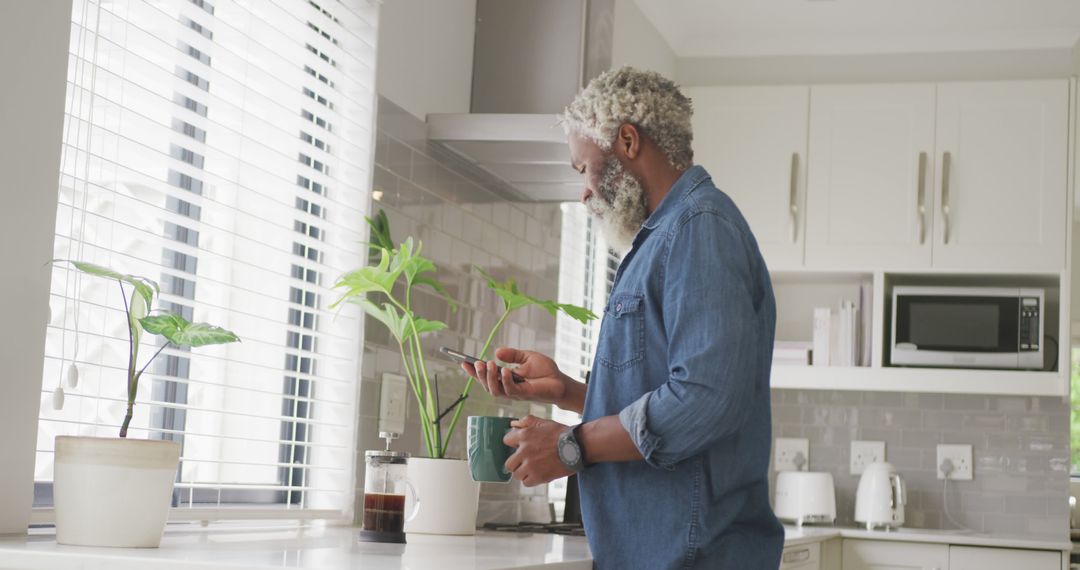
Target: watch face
[569,453]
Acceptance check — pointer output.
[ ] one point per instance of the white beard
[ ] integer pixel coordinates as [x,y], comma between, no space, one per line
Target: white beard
[619,205]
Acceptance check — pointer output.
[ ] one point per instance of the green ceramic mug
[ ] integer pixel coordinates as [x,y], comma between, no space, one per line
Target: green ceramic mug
[487,452]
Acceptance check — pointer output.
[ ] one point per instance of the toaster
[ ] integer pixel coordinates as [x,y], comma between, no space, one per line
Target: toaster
[805,497]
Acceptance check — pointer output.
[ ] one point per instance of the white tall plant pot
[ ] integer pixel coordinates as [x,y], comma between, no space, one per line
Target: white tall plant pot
[113,491]
[448,497]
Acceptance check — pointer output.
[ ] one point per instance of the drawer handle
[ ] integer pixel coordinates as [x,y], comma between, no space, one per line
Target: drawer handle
[797,555]
[946,202]
[920,199]
[793,197]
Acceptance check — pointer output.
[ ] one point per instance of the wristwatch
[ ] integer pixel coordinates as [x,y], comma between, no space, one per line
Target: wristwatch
[570,453]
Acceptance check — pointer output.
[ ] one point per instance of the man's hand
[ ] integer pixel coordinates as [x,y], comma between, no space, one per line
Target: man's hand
[536,460]
[543,381]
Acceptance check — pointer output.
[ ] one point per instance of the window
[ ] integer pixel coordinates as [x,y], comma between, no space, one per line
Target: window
[586,275]
[180,164]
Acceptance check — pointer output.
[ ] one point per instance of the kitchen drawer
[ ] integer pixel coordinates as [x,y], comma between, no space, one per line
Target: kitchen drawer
[801,557]
[893,555]
[973,558]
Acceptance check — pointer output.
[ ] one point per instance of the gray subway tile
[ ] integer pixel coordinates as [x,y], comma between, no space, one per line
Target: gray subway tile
[1025,505]
[919,438]
[965,402]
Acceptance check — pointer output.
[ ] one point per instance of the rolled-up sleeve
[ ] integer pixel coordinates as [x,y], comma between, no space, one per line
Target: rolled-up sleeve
[709,311]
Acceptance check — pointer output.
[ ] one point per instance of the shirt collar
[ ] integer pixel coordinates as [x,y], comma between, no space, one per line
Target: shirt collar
[691,178]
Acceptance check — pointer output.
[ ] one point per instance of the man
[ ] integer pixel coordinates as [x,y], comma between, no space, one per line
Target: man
[673,452]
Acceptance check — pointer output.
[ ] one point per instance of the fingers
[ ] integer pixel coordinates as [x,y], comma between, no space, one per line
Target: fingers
[527,421]
[512,438]
[509,387]
[513,462]
[487,374]
[510,355]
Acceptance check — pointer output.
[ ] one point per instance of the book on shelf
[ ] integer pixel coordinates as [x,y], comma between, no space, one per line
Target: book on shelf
[839,335]
[792,353]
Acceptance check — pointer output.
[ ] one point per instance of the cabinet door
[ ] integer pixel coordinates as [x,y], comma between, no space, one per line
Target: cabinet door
[752,140]
[971,558]
[887,555]
[1003,152]
[871,161]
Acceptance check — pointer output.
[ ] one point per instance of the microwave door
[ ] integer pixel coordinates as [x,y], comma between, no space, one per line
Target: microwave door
[956,330]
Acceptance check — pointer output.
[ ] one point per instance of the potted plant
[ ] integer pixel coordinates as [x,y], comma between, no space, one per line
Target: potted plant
[383,290]
[116,491]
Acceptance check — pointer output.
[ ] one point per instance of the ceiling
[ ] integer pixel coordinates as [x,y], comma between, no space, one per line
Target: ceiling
[750,28]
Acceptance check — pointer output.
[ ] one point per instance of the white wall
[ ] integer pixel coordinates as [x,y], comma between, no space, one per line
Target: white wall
[33,62]
[426,53]
[636,42]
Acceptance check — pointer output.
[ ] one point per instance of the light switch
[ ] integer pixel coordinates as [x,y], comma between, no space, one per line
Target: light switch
[392,400]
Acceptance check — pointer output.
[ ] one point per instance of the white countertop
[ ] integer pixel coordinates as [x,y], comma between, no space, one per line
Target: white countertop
[794,536]
[325,548]
[331,548]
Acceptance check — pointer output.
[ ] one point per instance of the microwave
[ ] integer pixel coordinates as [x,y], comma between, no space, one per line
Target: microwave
[968,327]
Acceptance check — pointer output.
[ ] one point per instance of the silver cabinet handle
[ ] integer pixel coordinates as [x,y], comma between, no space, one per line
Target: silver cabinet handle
[797,556]
[946,167]
[793,197]
[920,199]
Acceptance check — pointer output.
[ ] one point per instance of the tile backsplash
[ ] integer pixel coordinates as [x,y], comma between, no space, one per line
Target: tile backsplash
[463,219]
[1020,447]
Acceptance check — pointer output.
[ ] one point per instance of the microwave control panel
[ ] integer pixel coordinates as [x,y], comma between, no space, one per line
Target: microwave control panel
[1029,324]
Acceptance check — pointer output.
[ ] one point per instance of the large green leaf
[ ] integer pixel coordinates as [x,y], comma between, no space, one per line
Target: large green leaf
[515,299]
[387,314]
[426,326]
[397,321]
[380,236]
[146,288]
[180,332]
[373,278]
[580,314]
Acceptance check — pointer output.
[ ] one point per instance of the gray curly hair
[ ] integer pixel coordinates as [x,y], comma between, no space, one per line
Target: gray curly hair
[645,99]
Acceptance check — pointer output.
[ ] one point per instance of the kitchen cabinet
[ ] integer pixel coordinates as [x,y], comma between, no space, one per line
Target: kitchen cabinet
[884,555]
[972,558]
[868,186]
[801,557]
[1001,181]
[752,140]
[950,176]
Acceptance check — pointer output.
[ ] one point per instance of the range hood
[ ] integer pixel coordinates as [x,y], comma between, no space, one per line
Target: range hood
[530,59]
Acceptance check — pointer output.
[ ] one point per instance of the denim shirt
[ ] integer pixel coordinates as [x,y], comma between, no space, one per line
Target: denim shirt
[683,358]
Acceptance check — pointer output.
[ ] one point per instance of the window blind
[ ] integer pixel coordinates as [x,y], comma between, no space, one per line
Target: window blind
[222,148]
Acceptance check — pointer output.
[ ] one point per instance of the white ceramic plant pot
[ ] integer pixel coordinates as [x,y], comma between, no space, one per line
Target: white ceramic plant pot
[113,491]
[448,497]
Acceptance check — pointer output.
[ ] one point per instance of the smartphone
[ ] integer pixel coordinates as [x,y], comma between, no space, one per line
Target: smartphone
[462,357]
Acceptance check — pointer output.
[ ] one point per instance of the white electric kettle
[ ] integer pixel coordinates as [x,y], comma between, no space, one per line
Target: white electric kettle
[880,498]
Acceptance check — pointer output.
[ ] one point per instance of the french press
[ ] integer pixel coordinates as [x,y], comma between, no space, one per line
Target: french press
[385,489]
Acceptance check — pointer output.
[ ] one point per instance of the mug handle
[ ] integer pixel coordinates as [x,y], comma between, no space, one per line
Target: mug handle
[415,499]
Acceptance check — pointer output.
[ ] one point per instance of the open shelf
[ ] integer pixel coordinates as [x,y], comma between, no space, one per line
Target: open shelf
[933,380]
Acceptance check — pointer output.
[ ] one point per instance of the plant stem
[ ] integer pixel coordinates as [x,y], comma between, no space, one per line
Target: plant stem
[143,369]
[132,387]
[418,362]
[468,383]
[410,376]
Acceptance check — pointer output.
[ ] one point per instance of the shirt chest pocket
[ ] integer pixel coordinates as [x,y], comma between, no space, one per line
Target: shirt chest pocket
[622,341]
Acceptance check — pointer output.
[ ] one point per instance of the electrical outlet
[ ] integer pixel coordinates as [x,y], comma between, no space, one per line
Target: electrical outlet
[863,453]
[392,399]
[960,458]
[792,454]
